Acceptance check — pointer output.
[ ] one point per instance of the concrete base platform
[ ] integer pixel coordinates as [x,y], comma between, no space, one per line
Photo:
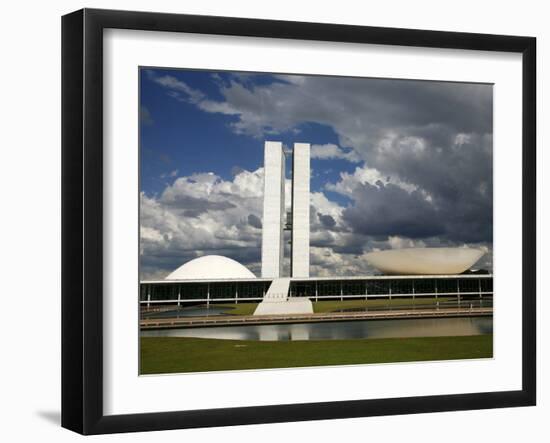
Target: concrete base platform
[288,306]
[277,302]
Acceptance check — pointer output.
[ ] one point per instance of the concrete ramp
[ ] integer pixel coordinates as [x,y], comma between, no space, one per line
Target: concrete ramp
[277,302]
[278,290]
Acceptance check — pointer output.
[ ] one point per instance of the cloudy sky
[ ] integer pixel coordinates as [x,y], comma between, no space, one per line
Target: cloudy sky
[395,163]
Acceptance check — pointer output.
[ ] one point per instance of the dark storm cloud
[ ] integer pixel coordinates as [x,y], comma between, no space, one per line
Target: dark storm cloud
[154,266]
[254,221]
[354,245]
[385,210]
[193,206]
[435,136]
[356,108]
[456,174]
[461,106]
[326,220]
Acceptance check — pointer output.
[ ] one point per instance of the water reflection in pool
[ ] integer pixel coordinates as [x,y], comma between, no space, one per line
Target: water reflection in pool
[431,327]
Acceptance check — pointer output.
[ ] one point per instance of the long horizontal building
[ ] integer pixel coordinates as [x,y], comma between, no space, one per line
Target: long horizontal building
[254,289]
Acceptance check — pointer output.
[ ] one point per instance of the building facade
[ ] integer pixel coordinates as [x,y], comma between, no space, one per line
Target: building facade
[317,289]
[299,264]
[273,222]
[275,219]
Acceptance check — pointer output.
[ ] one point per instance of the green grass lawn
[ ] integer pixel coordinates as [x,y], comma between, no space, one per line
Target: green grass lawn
[161,355]
[334,305]
[238,308]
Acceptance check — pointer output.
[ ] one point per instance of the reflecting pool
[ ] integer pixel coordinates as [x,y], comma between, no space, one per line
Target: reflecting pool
[342,330]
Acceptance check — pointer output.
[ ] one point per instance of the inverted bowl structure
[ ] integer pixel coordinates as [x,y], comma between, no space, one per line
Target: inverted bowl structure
[424,261]
[210,267]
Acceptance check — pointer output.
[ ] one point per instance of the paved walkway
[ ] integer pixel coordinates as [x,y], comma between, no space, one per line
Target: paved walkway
[165,323]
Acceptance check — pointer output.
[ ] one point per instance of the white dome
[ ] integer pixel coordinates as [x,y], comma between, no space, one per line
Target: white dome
[425,261]
[211,267]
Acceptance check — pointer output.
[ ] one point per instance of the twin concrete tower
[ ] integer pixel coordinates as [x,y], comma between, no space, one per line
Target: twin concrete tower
[275,218]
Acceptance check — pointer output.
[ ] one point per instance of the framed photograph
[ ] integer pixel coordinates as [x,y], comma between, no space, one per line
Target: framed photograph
[269,221]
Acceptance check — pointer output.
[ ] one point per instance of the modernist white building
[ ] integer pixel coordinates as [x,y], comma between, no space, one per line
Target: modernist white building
[424,261]
[211,267]
[299,263]
[273,222]
[276,220]
[417,272]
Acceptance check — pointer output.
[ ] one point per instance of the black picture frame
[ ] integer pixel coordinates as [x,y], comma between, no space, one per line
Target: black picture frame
[82,234]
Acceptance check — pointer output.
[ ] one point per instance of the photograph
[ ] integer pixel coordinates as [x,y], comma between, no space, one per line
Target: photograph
[289,220]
